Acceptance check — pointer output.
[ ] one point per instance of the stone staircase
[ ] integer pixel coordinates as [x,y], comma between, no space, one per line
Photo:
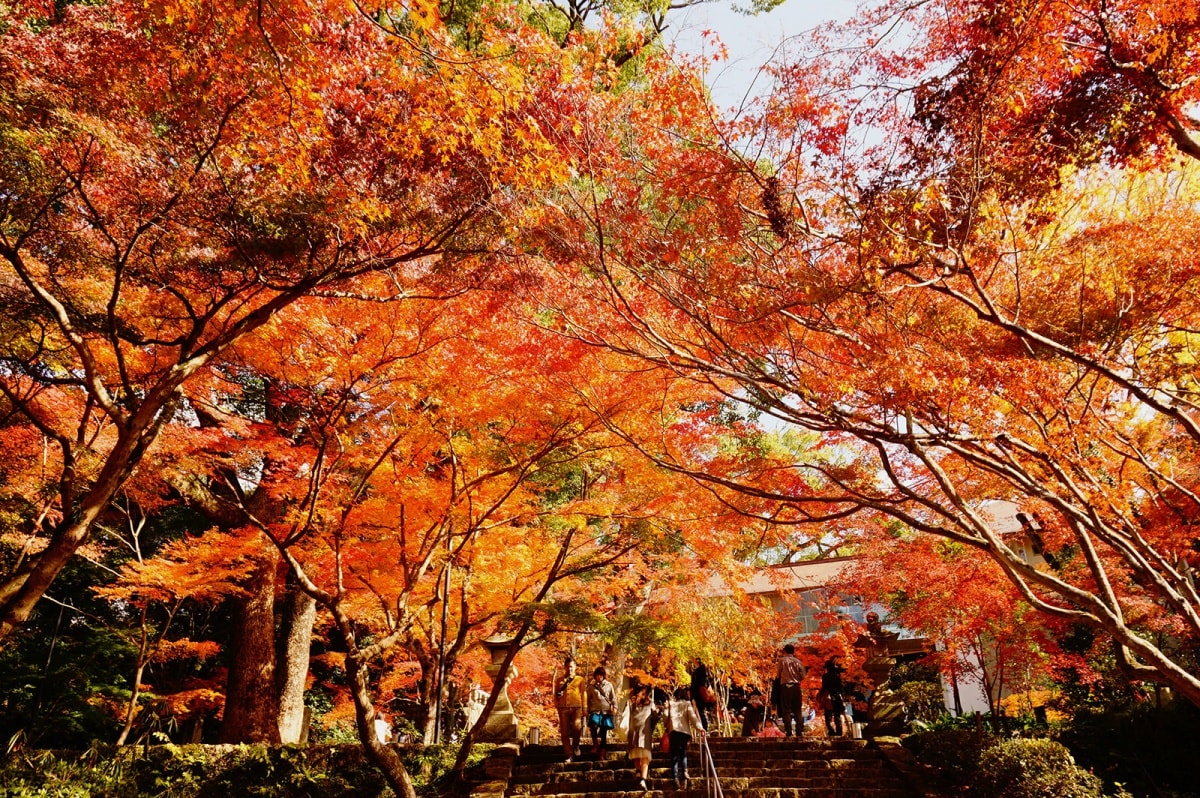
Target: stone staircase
[747,767]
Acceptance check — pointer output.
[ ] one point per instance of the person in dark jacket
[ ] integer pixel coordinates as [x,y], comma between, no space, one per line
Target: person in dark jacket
[790,672]
[701,691]
[831,697]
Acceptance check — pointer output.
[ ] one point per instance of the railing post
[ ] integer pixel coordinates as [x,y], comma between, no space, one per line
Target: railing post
[712,784]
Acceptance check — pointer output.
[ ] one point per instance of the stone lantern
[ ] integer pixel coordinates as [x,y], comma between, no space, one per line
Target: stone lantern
[886,711]
[501,726]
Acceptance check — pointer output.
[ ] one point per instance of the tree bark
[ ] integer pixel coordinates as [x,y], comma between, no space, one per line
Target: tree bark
[427,658]
[382,755]
[251,702]
[427,655]
[299,613]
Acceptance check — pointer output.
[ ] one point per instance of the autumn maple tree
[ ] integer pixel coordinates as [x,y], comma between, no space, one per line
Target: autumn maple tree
[974,618]
[958,309]
[154,590]
[176,173]
[223,164]
[253,259]
[387,296]
[373,445]
[1043,85]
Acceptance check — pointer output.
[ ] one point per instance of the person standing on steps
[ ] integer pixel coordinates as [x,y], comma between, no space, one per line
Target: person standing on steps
[832,697]
[790,672]
[701,690]
[642,718]
[601,704]
[570,698]
[683,723]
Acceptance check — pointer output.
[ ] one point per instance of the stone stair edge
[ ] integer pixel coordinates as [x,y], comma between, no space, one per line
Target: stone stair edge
[759,792]
[756,768]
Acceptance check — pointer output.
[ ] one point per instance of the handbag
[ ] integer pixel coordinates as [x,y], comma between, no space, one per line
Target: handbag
[601,720]
[664,744]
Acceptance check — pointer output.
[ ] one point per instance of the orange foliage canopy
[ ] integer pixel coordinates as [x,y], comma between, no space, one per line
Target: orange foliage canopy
[963,604]
[1022,88]
[935,321]
[268,248]
[177,172]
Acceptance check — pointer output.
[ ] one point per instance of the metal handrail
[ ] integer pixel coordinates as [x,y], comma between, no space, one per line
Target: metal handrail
[712,783]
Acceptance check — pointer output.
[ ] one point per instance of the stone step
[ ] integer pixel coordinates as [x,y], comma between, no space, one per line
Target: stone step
[834,779]
[746,768]
[827,786]
[586,771]
[824,792]
[740,766]
[536,783]
[743,764]
[730,746]
[874,770]
[750,746]
[767,791]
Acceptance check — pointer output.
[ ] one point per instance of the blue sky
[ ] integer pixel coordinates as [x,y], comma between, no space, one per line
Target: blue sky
[750,40]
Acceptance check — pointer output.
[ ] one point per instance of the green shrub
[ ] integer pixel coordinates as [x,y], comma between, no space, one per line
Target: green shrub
[954,753]
[1149,749]
[923,701]
[199,771]
[1033,769]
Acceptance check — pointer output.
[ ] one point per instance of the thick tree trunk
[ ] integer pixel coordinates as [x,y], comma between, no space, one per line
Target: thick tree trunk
[427,656]
[22,591]
[429,701]
[299,613]
[384,757]
[428,687]
[251,705]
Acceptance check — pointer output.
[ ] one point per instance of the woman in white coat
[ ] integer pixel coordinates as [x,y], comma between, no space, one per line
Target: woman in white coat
[642,719]
[683,722]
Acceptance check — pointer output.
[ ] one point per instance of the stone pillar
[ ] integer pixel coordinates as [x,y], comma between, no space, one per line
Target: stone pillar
[501,726]
[885,713]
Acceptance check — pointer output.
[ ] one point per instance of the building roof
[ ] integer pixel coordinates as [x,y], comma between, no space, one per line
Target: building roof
[795,577]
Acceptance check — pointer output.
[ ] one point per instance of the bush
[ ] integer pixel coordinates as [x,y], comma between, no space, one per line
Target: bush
[923,701]
[196,771]
[1033,769]
[954,753]
[1149,749]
